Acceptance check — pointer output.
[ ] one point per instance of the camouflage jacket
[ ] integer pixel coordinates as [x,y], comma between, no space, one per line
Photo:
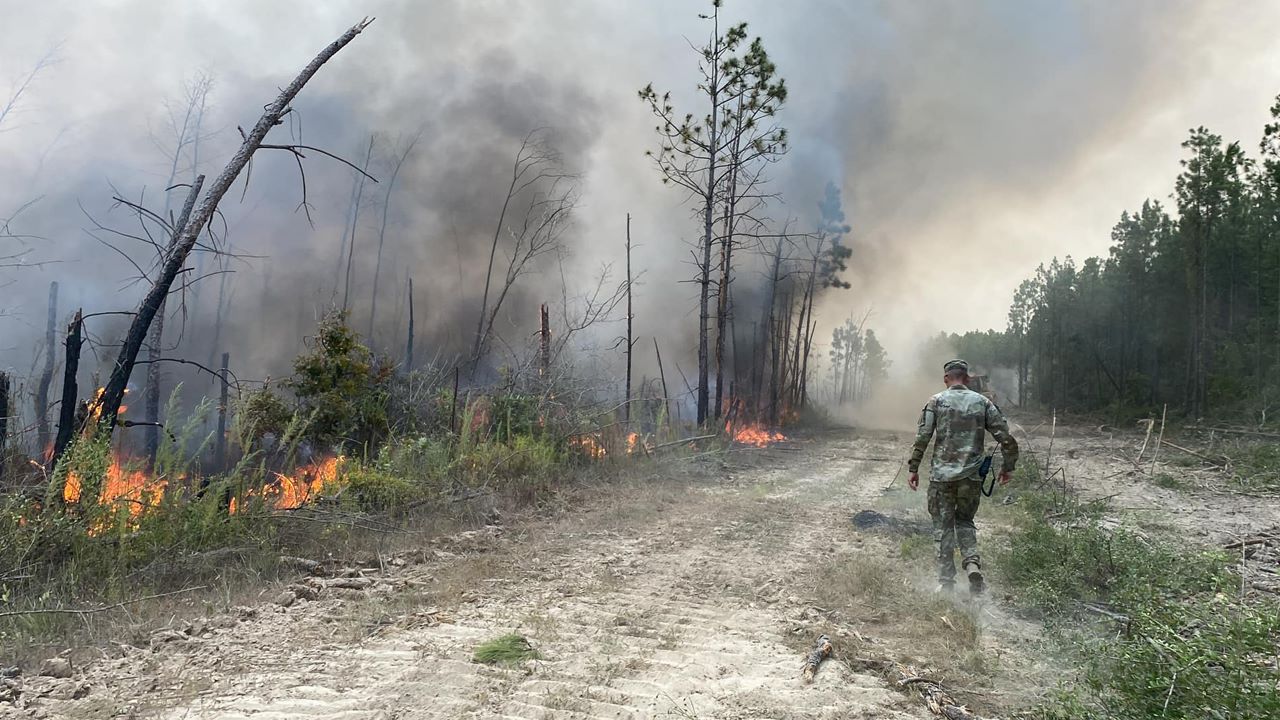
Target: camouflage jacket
[960,419]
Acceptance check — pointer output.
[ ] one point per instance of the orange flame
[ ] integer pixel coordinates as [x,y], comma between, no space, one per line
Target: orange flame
[297,489]
[95,405]
[135,489]
[756,436]
[753,434]
[305,483]
[589,445]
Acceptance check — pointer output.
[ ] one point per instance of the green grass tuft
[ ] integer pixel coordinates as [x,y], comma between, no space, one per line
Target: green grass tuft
[509,649]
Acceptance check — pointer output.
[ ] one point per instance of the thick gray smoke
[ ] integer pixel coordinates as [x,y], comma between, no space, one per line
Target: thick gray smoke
[971,140]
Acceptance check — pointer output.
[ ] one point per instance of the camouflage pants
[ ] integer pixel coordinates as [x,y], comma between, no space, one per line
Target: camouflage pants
[952,506]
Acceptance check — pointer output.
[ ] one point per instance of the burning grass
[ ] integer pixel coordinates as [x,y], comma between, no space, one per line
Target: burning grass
[741,429]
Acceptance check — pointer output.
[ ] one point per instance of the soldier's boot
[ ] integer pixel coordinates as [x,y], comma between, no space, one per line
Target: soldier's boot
[976,582]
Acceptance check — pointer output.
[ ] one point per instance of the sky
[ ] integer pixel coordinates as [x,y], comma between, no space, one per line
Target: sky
[971,141]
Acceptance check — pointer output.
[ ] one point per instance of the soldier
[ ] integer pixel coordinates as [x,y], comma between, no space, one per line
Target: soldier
[959,418]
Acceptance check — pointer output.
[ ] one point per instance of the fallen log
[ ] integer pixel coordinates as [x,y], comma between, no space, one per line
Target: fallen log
[305,565]
[821,651]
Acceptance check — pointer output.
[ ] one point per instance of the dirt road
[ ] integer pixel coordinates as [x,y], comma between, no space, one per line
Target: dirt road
[681,599]
[692,597]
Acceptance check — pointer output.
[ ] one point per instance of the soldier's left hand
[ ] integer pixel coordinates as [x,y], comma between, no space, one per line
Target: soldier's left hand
[1005,477]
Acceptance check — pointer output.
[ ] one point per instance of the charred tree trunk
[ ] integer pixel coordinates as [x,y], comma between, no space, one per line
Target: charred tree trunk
[544,342]
[220,449]
[408,348]
[723,297]
[801,325]
[220,311]
[67,409]
[784,373]
[662,374]
[735,359]
[708,234]
[770,336]
[193,222]
[151,403]
[755,372]
[626,411]
[46,376]
[804,364]
[4,421]
[808,327]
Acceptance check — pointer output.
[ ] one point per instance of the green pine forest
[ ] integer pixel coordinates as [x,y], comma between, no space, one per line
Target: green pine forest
[1183,312]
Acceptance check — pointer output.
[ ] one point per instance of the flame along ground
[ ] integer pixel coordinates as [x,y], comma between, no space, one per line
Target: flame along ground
[303,485]
[134,488]
[750,433]
[753,434]
[125,485]
[139,491]
[592,445]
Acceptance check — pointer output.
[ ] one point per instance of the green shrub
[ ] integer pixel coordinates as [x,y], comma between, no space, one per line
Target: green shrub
[425,461]
[1184,650]
[513,415]
[261,412]
[1206,658]
[1057,567]
[342,388]
[373,490]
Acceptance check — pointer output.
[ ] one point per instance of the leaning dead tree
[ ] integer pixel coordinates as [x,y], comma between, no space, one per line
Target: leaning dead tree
[194,218]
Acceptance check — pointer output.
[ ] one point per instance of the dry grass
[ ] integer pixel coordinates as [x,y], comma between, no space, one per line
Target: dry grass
[882,597]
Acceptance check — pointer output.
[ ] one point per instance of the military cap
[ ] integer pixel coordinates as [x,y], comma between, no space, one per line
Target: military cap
[956,366]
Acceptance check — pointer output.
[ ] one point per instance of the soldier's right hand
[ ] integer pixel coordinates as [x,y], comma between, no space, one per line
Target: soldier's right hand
[913,481]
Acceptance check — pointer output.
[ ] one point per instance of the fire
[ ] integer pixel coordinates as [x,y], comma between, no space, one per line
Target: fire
[589,445]
[95,405]
[135,489]
[298,488]
[305,483]
[140,492]
[752,434]
[749,433]
[633,441]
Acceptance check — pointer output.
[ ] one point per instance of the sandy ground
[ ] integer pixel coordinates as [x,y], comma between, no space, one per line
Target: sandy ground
[688,598]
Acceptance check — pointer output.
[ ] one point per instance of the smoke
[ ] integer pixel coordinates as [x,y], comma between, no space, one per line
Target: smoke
[970,141]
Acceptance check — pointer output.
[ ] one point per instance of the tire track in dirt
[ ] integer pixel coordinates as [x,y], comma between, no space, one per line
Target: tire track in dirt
[690,609]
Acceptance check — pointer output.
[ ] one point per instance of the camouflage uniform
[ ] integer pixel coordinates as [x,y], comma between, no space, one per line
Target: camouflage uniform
[960,419]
